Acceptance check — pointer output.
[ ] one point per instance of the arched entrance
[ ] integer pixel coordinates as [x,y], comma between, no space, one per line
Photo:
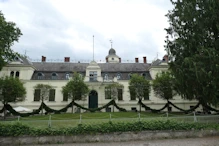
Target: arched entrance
[93,99]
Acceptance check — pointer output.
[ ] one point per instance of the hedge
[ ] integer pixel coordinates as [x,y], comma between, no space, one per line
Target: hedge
[19,129]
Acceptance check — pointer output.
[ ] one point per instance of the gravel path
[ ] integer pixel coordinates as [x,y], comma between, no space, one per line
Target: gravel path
[204,141]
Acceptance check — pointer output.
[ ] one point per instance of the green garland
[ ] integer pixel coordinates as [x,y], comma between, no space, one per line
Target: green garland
[15,113]
[210,108]
[152,110]
[112,102]
[186,111]
[50,110]
[2,110]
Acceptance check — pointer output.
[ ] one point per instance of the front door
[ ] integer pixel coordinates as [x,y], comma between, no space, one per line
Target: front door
[93,99]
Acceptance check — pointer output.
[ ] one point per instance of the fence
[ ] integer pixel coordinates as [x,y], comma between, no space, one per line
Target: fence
[57,121]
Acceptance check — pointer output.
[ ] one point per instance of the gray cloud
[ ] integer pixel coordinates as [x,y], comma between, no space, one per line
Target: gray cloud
[47,31]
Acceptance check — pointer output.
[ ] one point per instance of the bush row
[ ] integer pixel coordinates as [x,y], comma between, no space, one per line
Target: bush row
[19,129]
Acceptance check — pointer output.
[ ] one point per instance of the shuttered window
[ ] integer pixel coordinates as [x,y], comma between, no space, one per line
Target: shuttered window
[65,97]
[36,95]
[52,94]
[120,96]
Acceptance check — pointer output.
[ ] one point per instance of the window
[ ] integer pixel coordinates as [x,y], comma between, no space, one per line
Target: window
[112,58]
[93,76]
[17,74]
[36,95]
[120,96]
[143,74]
[40,76]
[134,109]
[106,77]
[65,97]
[54,76]
[108,109]
[132,93]
[118,76]
[107,93]
[130,75]
[12,74]
[67,76]
[52,94]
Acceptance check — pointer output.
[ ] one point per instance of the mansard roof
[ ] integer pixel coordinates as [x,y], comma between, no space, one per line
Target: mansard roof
[112,69]
[81,67]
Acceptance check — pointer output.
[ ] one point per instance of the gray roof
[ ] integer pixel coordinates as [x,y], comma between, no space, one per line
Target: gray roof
[23,61]
[112,69]
[81,67]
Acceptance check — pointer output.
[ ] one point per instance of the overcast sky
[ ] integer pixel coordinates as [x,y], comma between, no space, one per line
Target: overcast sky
[65,28]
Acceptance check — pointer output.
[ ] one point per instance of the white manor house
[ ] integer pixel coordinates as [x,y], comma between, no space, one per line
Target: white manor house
[96,75]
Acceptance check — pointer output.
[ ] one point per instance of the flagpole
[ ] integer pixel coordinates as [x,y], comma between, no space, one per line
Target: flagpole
[93,47]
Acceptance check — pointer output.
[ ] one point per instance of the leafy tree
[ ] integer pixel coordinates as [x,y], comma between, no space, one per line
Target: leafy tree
[76,89]
[193,46]
[11,90]
[139,87]
[112,91]
[163,86]
[9,33]
[44,92]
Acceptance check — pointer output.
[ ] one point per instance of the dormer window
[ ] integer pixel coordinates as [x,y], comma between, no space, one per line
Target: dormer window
[93,76]
[54,76]
[118,76]
[130,75]
[67,76]
[143,74]
[40,76]
[106,77]
[12,74]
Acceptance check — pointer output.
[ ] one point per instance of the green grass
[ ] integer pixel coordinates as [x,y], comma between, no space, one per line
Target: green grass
[72,120]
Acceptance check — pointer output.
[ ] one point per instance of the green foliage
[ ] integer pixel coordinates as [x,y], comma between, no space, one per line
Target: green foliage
[163,86]
[44,91]
[112,90]
[76,89]
[9,33]
[12,90]
[19,129]
[194,49]
[139,87]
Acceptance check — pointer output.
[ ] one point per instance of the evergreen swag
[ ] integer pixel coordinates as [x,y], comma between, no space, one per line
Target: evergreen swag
[170,103]
[112,102]
[50,110]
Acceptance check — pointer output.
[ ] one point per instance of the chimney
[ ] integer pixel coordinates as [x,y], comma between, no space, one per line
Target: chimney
[145,59]
[106,59]
[136,60]
[119,60]
[165,58]
[43,59]
[67,59]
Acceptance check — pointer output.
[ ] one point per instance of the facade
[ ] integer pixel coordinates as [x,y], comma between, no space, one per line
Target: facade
[96,75]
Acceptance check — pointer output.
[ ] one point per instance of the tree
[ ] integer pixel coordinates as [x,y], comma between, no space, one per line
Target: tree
[76,89]
[163,86]
[193,46]
[9,33]
[43,90]
[11,90]
[139,87]
[112,91]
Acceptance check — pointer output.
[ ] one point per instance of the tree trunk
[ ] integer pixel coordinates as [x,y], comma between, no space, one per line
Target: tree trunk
[168,106]
[4,110]
[139,105]
[42,108]
[72,107]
